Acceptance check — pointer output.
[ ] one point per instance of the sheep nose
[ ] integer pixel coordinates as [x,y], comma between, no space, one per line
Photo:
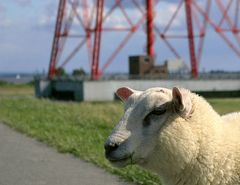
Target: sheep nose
[110,147]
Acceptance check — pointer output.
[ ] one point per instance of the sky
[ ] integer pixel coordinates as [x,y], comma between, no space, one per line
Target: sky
[27,27]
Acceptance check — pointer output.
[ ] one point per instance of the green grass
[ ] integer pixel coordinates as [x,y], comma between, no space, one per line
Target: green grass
[225,105]
[76,128]
[7,89]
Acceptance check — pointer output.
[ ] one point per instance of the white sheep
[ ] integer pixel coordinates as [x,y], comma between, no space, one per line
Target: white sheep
[178,135]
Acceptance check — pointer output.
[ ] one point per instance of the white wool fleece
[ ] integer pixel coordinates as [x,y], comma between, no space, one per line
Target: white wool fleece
[193,146]
[203,149]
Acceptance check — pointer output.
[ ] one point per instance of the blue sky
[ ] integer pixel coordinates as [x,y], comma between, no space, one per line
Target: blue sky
[26,32]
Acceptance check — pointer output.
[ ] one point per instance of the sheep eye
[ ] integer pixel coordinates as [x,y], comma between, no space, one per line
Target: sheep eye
[158,112]
[146,121]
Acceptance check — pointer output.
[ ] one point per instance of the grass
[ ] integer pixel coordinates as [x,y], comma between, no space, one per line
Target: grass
[7,89]
[225,105]
[76,128]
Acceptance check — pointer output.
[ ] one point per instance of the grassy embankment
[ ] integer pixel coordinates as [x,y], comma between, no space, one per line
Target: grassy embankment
[77,128]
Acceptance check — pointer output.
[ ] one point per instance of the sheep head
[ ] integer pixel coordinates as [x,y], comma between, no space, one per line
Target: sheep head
[145,114]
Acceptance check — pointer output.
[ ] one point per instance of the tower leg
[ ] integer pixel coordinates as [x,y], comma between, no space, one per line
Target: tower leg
[191,44]
[97,41]
[56,39]
[150,32]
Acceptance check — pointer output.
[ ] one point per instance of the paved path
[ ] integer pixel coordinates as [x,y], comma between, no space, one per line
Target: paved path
[24,161]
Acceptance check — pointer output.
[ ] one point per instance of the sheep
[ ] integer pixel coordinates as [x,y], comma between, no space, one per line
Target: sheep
[178,135]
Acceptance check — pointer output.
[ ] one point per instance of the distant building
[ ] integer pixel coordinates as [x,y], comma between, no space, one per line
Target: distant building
[143,67]
[140,65]
[176,66]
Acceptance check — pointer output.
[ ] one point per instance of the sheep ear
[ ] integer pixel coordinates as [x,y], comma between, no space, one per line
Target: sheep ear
[181,101]
[124,92]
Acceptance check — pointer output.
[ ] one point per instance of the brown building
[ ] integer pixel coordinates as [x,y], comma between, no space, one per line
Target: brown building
[143,67]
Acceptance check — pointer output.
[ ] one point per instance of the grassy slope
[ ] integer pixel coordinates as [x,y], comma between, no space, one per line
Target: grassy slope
[77,128]
[226,105]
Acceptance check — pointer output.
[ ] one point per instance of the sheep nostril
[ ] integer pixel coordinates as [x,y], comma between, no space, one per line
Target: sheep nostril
[110,147]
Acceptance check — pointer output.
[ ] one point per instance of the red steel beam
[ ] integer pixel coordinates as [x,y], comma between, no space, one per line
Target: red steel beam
[228,19]
[87,27]
[193,23]
[217,29]
[73,53]
[191,44]
[56,39]
[163,37]
[65,34]
[123,43]
[224,13]
[97,41]
[173,17]
[150,31]
[125,14]
[203,32]
[236,18]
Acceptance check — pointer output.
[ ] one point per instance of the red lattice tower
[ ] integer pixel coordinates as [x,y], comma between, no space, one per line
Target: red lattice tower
[92,16]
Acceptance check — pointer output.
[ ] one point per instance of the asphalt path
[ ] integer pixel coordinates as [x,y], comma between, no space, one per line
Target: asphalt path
[25,161]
